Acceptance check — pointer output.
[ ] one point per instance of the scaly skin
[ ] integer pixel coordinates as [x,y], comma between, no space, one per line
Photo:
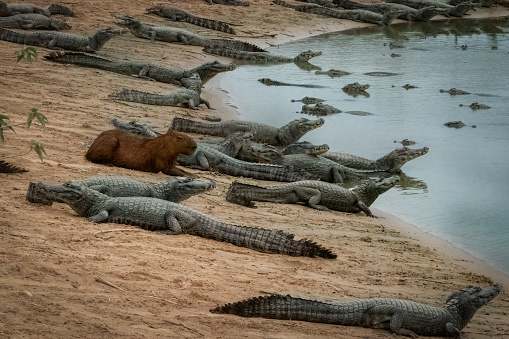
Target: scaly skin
[175,189]
[392,162]
[263,153]
[228,2]
[258,57]
[316,194]
[171,218]
[24,8]
[181,36]
[189,97]
[59,40]
[33,21]
[401,317]
[5,167]
[176,14]
[143,69]
[353,14]
[278,136]
[320,110]
[410,14]
[458,10]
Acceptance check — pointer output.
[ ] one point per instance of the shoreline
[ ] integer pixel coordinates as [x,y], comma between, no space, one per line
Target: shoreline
[221,100]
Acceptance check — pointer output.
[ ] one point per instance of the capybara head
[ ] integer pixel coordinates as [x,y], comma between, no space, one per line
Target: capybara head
[183,143]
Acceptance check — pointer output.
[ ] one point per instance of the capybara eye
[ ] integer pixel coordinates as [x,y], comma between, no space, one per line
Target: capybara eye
[180,138]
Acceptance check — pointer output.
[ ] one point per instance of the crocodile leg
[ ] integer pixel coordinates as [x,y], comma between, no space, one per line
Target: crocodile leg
[362,206]
[312,196]
[203,101]
[337,176]
[99,217]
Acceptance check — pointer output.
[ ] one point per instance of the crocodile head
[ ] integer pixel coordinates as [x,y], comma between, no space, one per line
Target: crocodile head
[466,302]
[135,128]
[306,55]
[263,152]
[193,82]
[305,147]
[400,156]
[385,184]
[178,189]
[210,69]
[60,24]
[79,198]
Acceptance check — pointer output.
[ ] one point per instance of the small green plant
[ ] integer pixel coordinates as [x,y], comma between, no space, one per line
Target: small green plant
[27,53]
[36,146]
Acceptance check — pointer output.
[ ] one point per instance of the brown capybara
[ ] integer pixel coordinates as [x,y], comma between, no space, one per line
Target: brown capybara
[127,150]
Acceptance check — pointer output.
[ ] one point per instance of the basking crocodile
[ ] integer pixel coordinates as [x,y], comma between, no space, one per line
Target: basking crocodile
[458,10]
[172,218]
[207,157]
[25,8]
[228,2]
[454,91]
[402,317]
[189,96]
[278,136]
[409,13]
[143,69]
[263,153]
[60,40]
[356,89]
[360,15]
[333,73]
[33,21]
[309,100]
[320,110]
[5,167]
[319,195]
[391,162]
[270,82]
[175,189]
[181,36]
[324,169]
[258,57]
[176,14]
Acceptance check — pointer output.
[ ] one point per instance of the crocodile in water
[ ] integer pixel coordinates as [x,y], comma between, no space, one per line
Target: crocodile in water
[402,317]
[172,218]
[189,96]
[278,136]
[270,82]
[175,189]
[143,69]
[356,89]
[320,110]
[454,91]
[333,73]
[319,195]
[60,40]
[33,21]
[176,14]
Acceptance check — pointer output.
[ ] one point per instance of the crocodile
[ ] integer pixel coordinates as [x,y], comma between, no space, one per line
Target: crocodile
[60,40]
[135,127]
[457,10]
[391,162]
[322,168]
[277,136]
[176,14]
[263,153]
[172,218]
[143,69]
[405,142]
[409,13]
[207,157]
[5,167]
[189,96]
[402,317]
[228,2]
[408,86]
[259,57]
[181,36]
[333,73]
[359,15]
[476,105]
[457,124]
[382,74]
[175,189]
[24,8]
[270,82]
[319,195]
[320,110]
[305,147]
[454,91]
[33,21]
[356,89]
[309,100]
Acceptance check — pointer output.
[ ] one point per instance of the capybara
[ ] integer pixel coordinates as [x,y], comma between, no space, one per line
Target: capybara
[123,149]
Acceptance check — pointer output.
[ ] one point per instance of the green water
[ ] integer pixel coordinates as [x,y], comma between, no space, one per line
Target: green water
[459,190]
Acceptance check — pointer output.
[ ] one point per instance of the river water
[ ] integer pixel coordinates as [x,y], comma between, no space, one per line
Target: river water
[459,191]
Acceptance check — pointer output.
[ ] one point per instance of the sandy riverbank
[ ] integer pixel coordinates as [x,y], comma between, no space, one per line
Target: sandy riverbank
[51,258]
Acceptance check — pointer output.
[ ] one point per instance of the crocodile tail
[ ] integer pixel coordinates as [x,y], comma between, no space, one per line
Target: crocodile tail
[59,9]
[212,24]
[200,127]
[278,306]
[5,167]
[20,38]
[133,95]
[236,45]
[284,4]
[78,58]
[260,239]
[223,51]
